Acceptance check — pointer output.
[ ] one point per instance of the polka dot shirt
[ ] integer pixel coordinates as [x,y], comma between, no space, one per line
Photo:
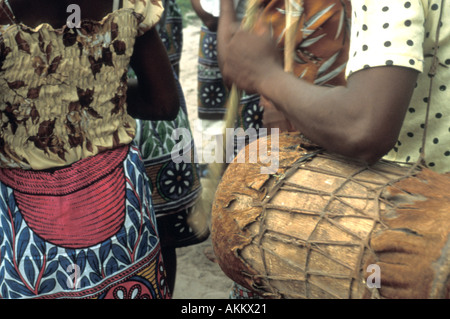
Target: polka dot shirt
[403,33]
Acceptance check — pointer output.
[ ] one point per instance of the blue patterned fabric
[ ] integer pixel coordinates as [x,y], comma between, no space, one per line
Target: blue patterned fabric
[128,264]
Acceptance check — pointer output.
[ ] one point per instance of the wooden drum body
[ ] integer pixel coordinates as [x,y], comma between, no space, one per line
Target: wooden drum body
[325,227]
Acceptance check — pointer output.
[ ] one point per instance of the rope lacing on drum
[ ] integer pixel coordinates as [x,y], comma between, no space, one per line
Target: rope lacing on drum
[386,171]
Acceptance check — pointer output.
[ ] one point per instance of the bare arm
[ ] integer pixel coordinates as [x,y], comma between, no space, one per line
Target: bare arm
[361,120]
[154,96]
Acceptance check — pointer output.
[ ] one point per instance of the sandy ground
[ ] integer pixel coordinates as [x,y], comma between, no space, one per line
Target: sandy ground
[197,277]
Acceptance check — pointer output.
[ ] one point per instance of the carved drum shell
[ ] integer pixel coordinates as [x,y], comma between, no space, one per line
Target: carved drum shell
[306,230]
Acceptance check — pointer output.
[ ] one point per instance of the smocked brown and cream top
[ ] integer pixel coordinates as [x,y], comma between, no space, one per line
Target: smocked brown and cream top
[63,91]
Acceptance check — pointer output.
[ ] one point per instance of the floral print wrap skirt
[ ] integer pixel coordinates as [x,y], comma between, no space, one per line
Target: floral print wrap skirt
[83,231]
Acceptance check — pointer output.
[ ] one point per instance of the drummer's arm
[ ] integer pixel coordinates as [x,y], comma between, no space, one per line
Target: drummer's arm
[361,120]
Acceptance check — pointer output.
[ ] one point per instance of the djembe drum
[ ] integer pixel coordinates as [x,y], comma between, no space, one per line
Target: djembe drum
[313,228]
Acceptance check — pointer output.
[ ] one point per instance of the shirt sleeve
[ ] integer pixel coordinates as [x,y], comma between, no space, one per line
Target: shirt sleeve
[151,11]
[386,32]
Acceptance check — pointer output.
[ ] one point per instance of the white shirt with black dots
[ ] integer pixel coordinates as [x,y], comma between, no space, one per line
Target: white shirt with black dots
[403,33]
